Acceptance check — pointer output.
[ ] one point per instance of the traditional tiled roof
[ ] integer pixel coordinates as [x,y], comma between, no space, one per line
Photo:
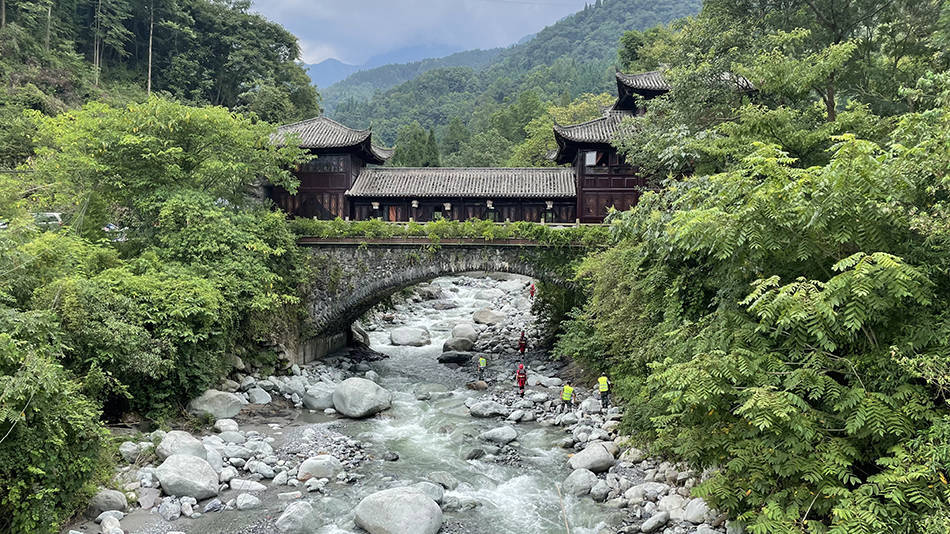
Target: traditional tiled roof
[542,183]
[323,132]
[654,81]
[645,81]
[597,131]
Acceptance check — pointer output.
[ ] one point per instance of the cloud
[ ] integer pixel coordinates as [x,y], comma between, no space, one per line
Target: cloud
[355,30]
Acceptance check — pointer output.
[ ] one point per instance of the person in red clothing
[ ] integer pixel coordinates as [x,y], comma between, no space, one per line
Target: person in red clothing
[522,344]
[521,376]
[531,291]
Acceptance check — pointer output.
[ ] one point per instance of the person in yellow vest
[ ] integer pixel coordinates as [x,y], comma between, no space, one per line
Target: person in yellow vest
[603,384]
[482,363]
[567,398]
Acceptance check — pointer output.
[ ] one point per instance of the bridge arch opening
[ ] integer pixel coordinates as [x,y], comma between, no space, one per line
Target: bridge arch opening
[349,280]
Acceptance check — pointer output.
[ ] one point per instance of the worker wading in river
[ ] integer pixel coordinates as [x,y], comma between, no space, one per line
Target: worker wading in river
[482,363]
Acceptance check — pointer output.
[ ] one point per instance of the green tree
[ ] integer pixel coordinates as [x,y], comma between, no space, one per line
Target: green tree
[535,150]
[106,163]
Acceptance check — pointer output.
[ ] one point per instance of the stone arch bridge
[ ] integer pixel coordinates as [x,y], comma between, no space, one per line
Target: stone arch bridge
[351,275]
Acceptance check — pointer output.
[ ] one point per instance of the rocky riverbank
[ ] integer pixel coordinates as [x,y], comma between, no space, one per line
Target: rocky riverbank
[355,443]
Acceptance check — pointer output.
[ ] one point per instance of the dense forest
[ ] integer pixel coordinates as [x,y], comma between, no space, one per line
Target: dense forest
[575,56]
[778,313]
[57,54]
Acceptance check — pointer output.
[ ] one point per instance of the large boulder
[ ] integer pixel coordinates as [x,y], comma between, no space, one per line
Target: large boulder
[298,518]
[502,435]
[258,396]
[184,475]
[460,358]
[322,466]
[488,316]
[409,335]
[106,500]
[399,511]
[319,396]
[465,330]
[359,397]
[595,457]
[178,442]
[460,344]
[217,404]
[580,482]
[487,408]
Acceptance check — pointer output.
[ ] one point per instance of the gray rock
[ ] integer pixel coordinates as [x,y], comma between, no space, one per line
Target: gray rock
[238,484]
[226,425]
[591,405]
[674,504]
[129,450]
[246,501]
[115,514]
[298,518]
[178,442]
[214,505]
[552,382]
[148,497]
[734,527]
[459,344]
[214,459]
[233,437]
[444,479]
[217,404]
[318,396]
[358,397]
[186,475]
[258,396]
[105,500]
[323,466]
[170,509]
[641,491]
[655,523]
[475,454]
[595,457]
[460,358]
[409,335]
[600,491]
[488,316]
[487,409]
[502,435]
[399,511]
[372,375]
[579,482]
[706,529]
[633,455]
[433,491]
[465,330]
[696,511]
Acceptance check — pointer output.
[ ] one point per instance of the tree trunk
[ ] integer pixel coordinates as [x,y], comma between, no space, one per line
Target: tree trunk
[49,22]
[3,14]
[832,113]
[97,43]
[151,29]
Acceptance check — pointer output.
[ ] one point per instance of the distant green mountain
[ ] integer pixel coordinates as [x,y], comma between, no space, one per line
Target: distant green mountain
[573,56]
[364,84]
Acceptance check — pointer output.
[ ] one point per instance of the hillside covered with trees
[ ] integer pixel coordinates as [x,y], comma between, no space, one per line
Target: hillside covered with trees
[577,55]
[55,55]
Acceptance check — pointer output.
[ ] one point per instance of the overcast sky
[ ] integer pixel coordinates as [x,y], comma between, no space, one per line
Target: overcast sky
[355,30]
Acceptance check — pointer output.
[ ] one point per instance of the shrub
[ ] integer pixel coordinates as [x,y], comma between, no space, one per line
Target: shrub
[51,441]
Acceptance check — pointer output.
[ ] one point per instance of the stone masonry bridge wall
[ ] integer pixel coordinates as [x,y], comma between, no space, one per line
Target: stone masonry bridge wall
[350,277]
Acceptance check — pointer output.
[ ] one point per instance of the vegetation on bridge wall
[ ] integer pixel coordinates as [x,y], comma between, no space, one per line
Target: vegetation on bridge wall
[588,236]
